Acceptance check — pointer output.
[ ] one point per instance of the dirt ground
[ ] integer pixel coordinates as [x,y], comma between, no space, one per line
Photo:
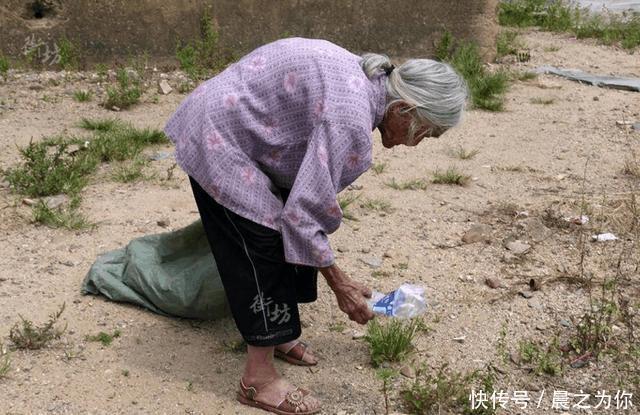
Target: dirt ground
[532,157]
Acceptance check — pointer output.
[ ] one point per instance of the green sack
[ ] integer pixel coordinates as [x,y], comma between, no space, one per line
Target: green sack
[170,274]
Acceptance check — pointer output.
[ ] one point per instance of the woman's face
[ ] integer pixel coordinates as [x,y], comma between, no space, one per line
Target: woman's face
[395,127]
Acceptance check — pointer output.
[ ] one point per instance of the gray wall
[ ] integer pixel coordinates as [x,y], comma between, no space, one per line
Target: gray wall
[112,30]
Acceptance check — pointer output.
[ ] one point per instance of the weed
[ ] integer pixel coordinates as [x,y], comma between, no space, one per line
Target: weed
[189,386]
[386,375]
[105,338]
[68,54]
[48,169]
[446,391]
[49,99]
[631,168]
[594,329]
[125,373]
[552,48]
[379,274]
[108,124]
[524,75]
[501,347]
[204,57]
[464,154]
[486,89]
[377,205]
[507,43]
[82,96]
[185,87]
[235,346]
[542,101]
[119,141]
[566,16]
[390,341]
[101,71]
[378,168]
[415,184]
[4,65]
[131,172]
[451,176]
[5,361]
[25,335]
[338,326]
[125,94]
[345,202]
[68,218]
[547,361]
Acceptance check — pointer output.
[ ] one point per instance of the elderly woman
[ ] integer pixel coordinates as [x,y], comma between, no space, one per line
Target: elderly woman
[267,145]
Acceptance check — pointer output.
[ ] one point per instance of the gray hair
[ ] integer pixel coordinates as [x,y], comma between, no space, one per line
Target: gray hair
[436,91]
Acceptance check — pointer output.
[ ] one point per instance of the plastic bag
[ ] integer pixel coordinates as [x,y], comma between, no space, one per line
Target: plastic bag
[406,302]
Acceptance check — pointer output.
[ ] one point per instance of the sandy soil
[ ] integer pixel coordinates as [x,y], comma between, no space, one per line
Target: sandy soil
[531,157]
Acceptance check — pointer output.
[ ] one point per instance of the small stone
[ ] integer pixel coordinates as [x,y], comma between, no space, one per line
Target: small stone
[565,323]
[518,247]
[373,262]
[56,202]
[493,282]
[525,294]
[36,87]
[342,249]
[67,263]
[116,109]
[515,357]
[535,303]
[160,155]
[357,335]
[596,99]
[164,88]
[477,233]
[359,367]
[163,223]
[408,371]
[365,250]
[29,202]
[535,229]
[459,339]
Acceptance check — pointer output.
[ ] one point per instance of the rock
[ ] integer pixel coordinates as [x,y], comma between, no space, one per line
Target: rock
[477,233]
[342,249]
[525,294]
[163,223]
[535,229]
[357,335]
[517,247]
[116,109]
[56,202]
[36,87]
[408,371]
[535,303]
[373,262]
[636,126]
[160,155]
[515,357]
[459,339]
[29,202]
[565,323]
[493,283]
[164,88]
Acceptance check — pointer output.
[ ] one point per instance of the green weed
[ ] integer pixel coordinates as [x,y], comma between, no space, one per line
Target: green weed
[25,335]
[377,205]
[82,96]
[464,154]
[101,70]
[4,65]
[390,341]
[547,361]
[5,361]
[507,43]
[415,184]
[447,391]
[542,101]
[68,53]
[131,171]
[105,338]
[378,168]
[338,326]
[345,202]
[450,176]
[386,375]
[125,94]
[108,124]
[523,75]
[68,218]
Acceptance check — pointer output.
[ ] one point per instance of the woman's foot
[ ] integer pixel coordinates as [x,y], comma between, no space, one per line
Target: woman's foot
[277,395]
[296,352]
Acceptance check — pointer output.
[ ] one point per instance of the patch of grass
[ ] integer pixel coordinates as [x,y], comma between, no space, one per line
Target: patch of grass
[631,169]
[464,154]
[101,70]
[235,346]
[552,48]
[345,202]
[107,124]
[49,99]
[82,95]
[189,386]
[125,373]
[447,391]
[337,327]
[377,205]
[547,361]
[26,335]
[68,218]
[378,168]
[68,53]
[386,375]
[131,171]
[507,43]
[4,65]
[119,141]
[390,341]
[486,88]
[523,75]
[125,94]
[5,361]
[204,57]
[415,184]
[380,274]
[105,338]
[542,101]
[565,16]
[450,176]
[47,169]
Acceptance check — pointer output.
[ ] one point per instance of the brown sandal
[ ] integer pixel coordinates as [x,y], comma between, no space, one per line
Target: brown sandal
[295,355]
[293,403]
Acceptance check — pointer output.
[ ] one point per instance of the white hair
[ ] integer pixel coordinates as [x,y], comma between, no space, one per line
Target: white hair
[434,89]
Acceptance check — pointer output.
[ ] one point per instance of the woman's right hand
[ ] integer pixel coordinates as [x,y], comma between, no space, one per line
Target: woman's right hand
[351,295]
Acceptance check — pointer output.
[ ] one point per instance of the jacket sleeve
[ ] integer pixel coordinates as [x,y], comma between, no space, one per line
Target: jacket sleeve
[336,155]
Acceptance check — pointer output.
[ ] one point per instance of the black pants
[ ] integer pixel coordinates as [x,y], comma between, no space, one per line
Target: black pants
[263,290]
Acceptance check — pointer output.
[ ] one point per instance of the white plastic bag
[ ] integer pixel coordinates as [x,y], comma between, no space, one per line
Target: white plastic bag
[406,302]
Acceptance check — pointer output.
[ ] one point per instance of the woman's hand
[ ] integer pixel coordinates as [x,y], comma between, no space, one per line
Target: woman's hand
[351,295]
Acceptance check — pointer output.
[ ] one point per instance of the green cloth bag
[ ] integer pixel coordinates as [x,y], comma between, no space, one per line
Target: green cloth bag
[172,274]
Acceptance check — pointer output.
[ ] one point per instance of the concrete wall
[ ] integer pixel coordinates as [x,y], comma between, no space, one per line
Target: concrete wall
[112,30]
